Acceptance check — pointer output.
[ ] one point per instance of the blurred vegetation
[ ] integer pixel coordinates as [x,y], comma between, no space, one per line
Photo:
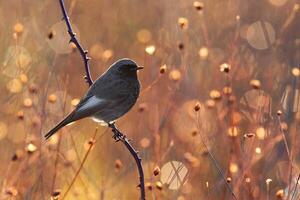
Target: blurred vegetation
[225,73]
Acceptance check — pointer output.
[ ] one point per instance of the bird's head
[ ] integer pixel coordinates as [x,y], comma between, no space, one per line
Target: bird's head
[126,67]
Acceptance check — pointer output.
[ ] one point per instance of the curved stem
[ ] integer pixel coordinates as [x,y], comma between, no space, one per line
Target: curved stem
[118,136]
[73,39]
[91,144]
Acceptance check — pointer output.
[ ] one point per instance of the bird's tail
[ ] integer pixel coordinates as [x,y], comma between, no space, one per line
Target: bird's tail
[61,124]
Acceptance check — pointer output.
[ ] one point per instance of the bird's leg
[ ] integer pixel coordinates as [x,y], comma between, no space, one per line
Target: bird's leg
[117,134]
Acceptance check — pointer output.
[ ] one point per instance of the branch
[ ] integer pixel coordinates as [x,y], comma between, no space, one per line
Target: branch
[118,136]
[73,39]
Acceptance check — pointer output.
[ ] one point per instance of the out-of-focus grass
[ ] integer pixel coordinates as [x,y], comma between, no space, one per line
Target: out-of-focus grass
[217,70]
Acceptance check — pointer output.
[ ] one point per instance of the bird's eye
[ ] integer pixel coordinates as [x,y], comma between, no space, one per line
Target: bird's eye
[127,68]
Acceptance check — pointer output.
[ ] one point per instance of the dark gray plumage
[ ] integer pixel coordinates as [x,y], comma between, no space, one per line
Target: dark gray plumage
[111,96]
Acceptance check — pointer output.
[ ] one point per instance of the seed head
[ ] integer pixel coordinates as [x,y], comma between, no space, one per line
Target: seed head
[17,155]
[227,90]
[233,167]
[225,67]
[194,133]
[249,135]
[55,194]
[280,194]
[197,107]
[198,5]
[33,88]
[27,102]
[228,179]
[150,49]
[118,164]
[159,185]
[31,148]
[215,95]
[52,98]
[296,71]
[75,102]
[107,54]
[51,34]
[163,69]
[180,46]
[142,107]
[18,28]
[175,75]
[20,115]
[255,83]
[279,112]
[268,181]
[203,52]
[149,186]
[156,171]
[11,191]
[183,22]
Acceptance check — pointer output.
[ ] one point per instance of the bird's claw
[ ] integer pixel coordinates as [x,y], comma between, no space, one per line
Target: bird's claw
[117,135]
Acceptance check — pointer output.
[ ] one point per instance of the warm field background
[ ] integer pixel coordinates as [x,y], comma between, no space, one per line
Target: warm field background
[41,80]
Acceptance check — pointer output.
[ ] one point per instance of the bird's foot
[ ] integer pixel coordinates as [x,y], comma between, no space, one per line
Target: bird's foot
[117,135]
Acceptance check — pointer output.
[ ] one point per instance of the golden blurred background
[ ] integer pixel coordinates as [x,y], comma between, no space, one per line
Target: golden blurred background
[220,77]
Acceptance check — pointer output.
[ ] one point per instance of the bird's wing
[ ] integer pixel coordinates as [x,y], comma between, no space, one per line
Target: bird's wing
[89,106]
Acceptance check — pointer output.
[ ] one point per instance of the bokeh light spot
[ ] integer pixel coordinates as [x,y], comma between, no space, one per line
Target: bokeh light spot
[14,86]
[261,133]
[150,49]
[261,35]
[17,60]
[60,42]
[143,36]
[174,174]
[278,2]
[203,53]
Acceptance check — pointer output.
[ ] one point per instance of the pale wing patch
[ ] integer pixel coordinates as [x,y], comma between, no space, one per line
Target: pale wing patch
[101,122]
[90,103]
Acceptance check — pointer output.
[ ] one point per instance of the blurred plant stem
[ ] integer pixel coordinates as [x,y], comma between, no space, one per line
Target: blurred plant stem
[213,158]
[91,143]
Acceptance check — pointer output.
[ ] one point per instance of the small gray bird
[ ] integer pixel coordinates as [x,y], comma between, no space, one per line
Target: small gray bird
[111,96]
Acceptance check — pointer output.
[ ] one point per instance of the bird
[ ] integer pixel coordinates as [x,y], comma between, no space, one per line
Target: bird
[111,96]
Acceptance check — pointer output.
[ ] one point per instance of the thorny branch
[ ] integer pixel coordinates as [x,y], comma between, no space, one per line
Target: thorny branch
[73,39]
[118,136]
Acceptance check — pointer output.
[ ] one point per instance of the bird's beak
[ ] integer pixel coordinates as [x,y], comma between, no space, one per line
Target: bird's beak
[139,67]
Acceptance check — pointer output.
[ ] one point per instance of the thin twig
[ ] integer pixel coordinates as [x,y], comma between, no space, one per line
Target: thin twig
[284,139]
[214,160]
[58,146]
[91,143]
[296,186]
[118,136]
[73,39]
[289,156]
